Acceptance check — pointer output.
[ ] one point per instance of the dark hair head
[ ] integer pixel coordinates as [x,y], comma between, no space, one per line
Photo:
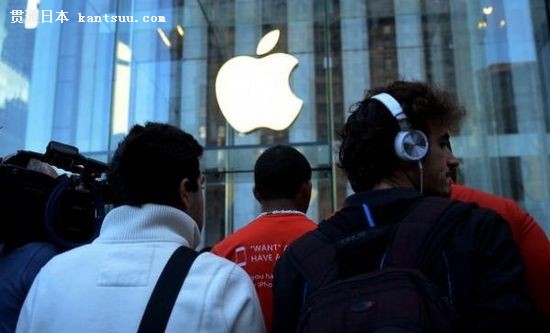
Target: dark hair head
[150,163]
[279,172]
[366,152]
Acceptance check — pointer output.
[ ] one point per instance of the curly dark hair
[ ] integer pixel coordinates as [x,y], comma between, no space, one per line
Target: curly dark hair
[150,163]
[366,152]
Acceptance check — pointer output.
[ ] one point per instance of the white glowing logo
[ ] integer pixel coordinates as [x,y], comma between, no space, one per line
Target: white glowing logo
[255,92]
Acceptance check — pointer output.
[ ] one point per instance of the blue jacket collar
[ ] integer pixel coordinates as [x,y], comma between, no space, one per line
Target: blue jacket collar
[381,197]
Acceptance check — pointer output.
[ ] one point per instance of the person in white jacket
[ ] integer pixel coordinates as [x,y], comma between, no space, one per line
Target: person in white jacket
[105,286]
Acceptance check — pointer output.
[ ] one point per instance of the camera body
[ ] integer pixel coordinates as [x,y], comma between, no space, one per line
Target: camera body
[35,207]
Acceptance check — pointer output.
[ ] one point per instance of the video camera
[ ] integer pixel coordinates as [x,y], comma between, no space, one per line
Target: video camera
[35,207]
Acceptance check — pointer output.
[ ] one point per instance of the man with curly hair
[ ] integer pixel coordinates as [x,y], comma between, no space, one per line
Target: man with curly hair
[396,155]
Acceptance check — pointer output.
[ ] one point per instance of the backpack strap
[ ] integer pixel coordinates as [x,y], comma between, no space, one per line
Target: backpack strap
[438,236]
[410,234]
[423,233]
[314,256]
[166,291]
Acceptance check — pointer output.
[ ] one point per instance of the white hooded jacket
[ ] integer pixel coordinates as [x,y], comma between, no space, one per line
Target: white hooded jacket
[104,286]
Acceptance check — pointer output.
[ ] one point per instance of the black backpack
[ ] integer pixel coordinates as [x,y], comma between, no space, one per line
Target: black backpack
[397,297]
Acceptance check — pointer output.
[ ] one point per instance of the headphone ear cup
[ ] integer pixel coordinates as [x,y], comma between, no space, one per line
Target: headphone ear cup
[411,145]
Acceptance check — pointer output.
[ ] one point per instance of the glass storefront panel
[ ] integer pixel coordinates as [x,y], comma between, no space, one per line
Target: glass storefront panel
[85,83]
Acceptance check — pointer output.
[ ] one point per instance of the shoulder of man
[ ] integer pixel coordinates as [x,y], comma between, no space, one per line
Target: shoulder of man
[39,254]
[506,207]
[482,231]
[210,260]
[236,299]
[480,219]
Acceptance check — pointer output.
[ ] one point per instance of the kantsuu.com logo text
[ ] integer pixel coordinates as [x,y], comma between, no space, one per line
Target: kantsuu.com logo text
[49,16]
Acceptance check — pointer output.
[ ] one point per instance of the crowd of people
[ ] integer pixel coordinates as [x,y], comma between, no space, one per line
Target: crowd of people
[410,250]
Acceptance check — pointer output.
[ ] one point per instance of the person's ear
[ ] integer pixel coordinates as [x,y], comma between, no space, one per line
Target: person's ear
[304,195]
[307,190]
[256,194]
[184,193]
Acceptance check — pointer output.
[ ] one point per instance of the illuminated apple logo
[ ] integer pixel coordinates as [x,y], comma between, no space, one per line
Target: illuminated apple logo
[255,92]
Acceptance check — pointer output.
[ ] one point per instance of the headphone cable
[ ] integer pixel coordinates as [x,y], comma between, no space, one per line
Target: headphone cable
[421,169]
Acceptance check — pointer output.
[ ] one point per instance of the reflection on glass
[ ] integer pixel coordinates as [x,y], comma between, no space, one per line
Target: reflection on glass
[66,81]
[122,89]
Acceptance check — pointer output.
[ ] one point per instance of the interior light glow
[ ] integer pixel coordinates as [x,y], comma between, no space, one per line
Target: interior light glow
[180,30]
[32,14]
[488,10]
[121,98]
[164,37]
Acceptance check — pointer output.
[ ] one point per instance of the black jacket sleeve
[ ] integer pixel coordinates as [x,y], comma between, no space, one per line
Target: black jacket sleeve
[499,301]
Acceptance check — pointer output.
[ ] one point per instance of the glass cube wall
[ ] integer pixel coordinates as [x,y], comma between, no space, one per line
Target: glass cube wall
[86,80]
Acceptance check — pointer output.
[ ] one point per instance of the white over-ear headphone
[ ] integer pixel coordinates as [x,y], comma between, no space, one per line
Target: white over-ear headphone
[410,145]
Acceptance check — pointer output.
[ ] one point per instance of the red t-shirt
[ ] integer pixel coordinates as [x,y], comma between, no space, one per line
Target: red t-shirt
[531,240]
[256,248]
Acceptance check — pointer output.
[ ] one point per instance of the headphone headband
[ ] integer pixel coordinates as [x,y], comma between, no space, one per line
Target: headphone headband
[391,104]
[410,145]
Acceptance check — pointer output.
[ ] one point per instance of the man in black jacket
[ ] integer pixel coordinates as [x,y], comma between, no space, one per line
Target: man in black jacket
[395,152]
